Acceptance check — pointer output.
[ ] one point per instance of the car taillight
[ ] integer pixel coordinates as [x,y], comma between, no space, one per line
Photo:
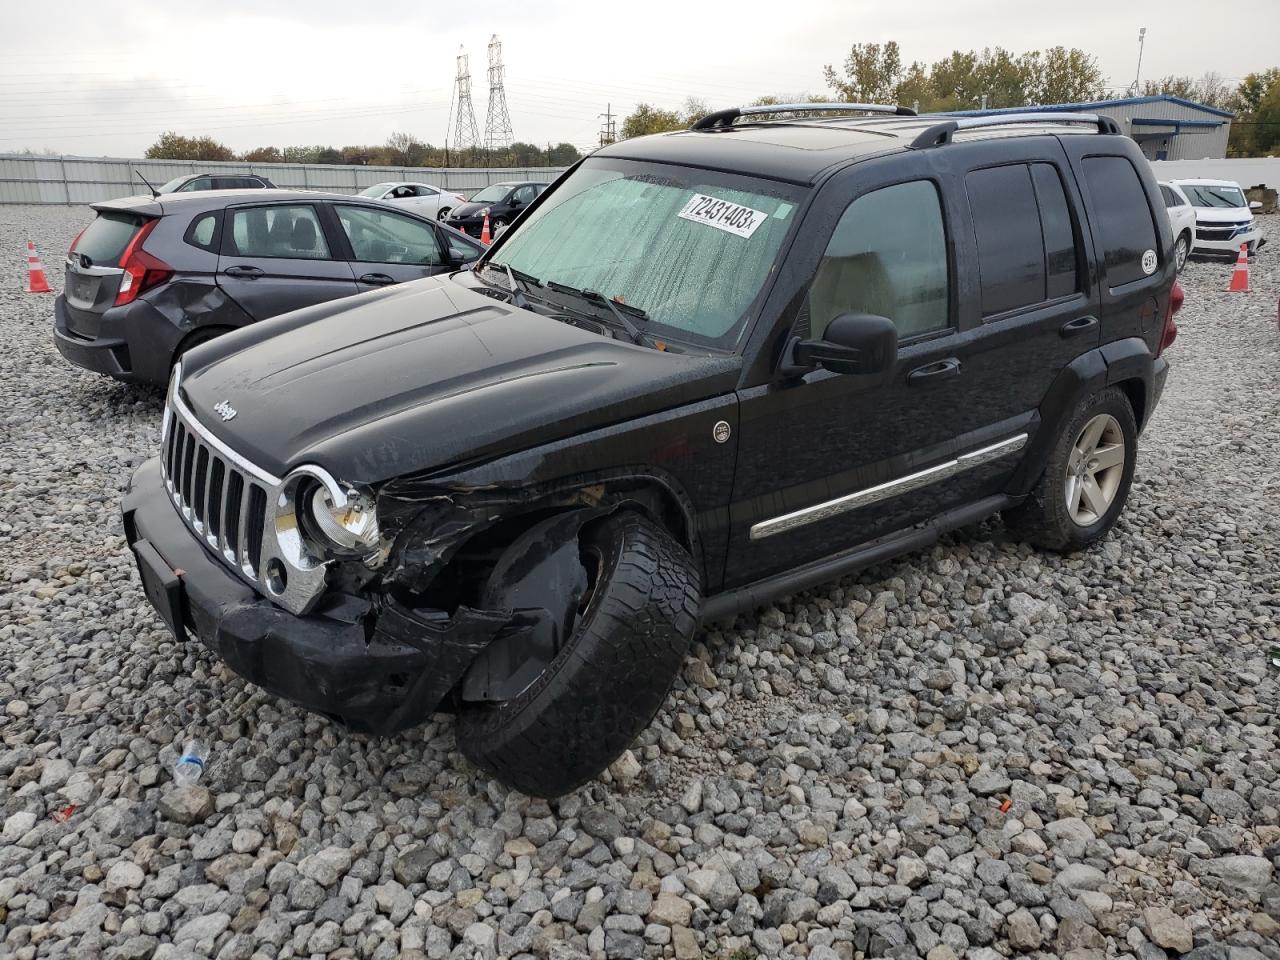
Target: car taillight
[142,271]
[1170,331]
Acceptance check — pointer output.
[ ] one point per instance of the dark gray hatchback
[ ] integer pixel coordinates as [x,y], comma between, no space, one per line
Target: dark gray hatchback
[150,278]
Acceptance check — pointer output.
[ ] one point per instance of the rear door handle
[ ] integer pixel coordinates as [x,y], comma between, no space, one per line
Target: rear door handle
[243,272]
[377,279]
[1073,328]
[934,372]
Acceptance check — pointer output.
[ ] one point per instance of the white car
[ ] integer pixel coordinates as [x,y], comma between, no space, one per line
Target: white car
[1224,218]
[1182,220]
[423,198]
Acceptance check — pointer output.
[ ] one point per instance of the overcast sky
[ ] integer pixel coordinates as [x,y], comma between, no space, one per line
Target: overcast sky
[106,77]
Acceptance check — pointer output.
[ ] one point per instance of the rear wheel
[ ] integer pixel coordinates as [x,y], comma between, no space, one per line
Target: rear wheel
[443,213]
[609,679]
[1086,481]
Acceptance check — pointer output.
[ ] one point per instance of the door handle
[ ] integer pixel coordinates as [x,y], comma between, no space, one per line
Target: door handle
[377,279]
[243,272]
[1073,328]
[934,372]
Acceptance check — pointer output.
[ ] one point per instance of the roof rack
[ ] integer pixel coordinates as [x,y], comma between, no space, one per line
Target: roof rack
[942,133]
[724,118]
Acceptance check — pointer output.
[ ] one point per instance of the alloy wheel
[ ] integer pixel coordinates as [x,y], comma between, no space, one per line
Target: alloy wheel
[1095,470]
[1181,250]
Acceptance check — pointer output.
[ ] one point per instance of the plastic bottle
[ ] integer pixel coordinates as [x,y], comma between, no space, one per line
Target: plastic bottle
[191,764]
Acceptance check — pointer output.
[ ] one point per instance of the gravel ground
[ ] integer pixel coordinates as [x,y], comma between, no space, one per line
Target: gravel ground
[974,751]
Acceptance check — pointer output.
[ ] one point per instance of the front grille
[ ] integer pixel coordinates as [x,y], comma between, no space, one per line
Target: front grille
[1219,231]
[221,497]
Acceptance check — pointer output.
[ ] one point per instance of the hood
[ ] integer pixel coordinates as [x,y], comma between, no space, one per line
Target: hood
[468,209]
[1223,214]
[425,375]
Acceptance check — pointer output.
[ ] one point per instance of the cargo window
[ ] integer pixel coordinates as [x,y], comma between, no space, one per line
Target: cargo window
[1061,257]
[1122,217]
[104,240]
[203,232]
[887,256]
[290,232]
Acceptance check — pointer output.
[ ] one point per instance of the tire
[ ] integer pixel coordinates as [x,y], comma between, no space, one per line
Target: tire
[607,682]
[1181,251]
[1045,518]
[443,214]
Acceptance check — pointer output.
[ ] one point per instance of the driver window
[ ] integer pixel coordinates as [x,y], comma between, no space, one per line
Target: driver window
[524,195]
[887,256]
[378,237]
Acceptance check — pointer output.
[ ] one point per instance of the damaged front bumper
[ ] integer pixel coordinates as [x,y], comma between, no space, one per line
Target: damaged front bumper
[377,671]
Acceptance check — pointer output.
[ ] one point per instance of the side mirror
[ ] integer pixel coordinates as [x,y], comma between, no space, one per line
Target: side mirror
[515,203]
[852,343]
[1255,204]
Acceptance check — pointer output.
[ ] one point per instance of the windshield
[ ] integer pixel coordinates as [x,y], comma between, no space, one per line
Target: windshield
[377,190]
[173,184]
[1205,195]
[492,194]
[691,248]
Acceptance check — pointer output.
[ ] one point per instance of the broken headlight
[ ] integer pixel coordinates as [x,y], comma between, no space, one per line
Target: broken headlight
[349,523]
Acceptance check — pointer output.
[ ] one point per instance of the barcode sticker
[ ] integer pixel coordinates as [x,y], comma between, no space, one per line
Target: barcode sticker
[723,215]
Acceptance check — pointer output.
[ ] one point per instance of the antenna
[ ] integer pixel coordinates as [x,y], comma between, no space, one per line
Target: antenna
[497,121]
[465,135]
[1142,39]
[154,192]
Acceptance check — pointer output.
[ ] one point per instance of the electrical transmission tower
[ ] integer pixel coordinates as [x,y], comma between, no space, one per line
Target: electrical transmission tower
[497,122]
[465,134]
[609,129]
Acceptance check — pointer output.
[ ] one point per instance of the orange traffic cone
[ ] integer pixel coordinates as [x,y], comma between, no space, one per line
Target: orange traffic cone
[36,280]
[1240,276]
[484,232]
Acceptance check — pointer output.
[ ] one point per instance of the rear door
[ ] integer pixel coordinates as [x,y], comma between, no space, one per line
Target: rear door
[278,257]
[387,247]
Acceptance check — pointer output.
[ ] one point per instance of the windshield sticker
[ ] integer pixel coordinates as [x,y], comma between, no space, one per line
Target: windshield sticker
[730,217]
[1149,262]
[784,210]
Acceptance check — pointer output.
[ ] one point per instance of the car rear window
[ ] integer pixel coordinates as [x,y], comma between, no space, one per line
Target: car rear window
[1123,218]
[104,240]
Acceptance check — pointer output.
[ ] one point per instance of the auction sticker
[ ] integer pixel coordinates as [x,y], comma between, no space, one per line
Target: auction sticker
[723,215]
[1149,262]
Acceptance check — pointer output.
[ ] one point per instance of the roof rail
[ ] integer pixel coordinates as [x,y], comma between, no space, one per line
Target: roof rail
[942,133]
[725,118]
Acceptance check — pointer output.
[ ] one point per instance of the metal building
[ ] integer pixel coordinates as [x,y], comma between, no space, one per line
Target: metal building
[1166,127]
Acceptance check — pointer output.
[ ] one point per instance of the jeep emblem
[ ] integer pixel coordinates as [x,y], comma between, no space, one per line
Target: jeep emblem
[720,431]
[225,410]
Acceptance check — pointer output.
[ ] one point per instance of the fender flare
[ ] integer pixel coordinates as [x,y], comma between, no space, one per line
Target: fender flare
[1122,361]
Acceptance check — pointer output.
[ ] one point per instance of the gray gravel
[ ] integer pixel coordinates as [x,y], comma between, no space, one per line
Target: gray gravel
[974,751]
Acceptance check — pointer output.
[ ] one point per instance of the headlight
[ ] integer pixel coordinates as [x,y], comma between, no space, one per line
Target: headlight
[351,524]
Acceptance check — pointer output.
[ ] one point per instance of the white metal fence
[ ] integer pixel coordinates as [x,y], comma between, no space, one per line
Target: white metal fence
[1246,171]
[71,180]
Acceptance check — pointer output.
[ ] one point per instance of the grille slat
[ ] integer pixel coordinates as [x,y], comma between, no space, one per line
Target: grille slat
[221,498]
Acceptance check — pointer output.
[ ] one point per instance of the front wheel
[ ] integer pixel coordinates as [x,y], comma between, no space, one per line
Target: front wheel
[1181,250]
[1086,480]
[609,679]
[443,214]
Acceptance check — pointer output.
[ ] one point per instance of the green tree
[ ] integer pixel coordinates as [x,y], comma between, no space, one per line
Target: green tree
[1066,76]
[263,155]
[563,154]
[174,146]
[871,74]
[646,119]
[328,155]
[1267,120]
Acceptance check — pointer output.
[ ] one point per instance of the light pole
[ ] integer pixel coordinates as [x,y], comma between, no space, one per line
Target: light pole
[1142,39]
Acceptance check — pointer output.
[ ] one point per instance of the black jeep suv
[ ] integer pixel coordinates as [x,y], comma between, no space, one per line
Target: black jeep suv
[705,369]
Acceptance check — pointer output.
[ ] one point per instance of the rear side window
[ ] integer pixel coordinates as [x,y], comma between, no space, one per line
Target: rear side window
[1002,203]
[1060,249]
[203,232]
[104,240]
[290,232]
[887,256]
[1124,223]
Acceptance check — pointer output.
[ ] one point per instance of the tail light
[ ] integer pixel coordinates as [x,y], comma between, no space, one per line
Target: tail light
[142,271]
[1170,331]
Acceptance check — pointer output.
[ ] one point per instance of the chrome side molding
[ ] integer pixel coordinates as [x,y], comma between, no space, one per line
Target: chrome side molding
[883,491]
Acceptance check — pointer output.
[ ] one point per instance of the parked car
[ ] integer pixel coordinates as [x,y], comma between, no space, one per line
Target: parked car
[709,368]
[1224,218]
[502,201]
[150,278]
[422,198]
[1182,222]
[191,182]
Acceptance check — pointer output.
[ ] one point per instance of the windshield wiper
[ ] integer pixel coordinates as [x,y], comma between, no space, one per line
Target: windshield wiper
[593,296]
[512,275]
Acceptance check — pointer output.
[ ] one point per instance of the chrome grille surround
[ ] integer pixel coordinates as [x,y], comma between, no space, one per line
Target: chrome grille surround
[244,515]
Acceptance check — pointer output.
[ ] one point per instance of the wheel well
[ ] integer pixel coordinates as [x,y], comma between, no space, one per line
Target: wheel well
[197,336]
[1136,391]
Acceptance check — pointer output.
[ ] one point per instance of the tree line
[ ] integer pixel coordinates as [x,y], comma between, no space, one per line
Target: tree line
[400,150]
[996,77]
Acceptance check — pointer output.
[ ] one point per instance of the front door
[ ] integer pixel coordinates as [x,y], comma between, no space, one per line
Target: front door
[830,461]
[276,258]
[387,247]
